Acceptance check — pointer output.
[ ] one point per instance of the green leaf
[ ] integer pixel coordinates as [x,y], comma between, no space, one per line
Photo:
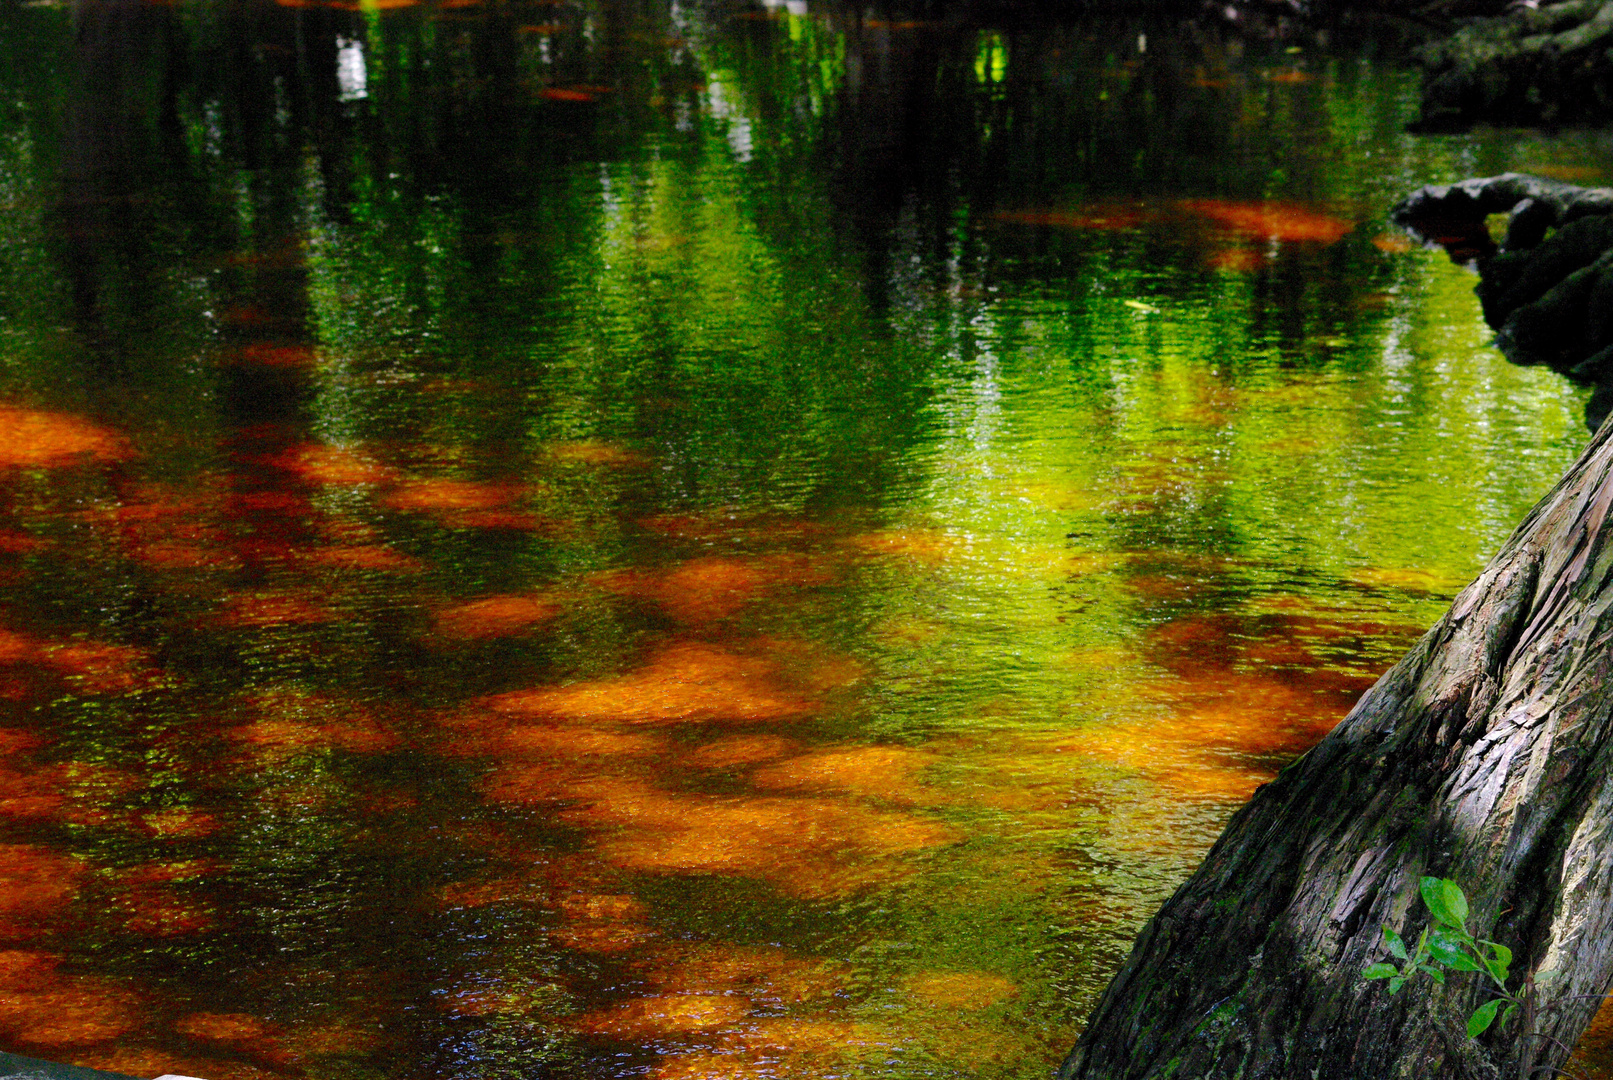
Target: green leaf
[1396,983]
[1435,974]
[1450,947]
[1380,971]
[1444,898]
[1508,1011]
[1397,947]
[1500,961]
[1482,1017]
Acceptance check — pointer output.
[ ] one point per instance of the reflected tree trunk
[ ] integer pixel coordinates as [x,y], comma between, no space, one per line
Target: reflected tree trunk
[1485,756]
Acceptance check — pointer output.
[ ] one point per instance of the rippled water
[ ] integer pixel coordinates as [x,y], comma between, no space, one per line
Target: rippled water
[549,539]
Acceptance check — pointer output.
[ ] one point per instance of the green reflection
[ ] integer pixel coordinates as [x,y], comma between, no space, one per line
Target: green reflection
[683,542]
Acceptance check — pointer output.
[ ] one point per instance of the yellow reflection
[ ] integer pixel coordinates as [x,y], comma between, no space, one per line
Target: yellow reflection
[685,682]
[30,438]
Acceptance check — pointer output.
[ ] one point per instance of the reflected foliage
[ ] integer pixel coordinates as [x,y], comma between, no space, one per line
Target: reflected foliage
[599,539]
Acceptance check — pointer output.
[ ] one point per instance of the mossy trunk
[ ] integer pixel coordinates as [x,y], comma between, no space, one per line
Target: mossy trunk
[1485,756]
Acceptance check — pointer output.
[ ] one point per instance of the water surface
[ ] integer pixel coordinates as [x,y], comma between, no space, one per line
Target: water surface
[601,540]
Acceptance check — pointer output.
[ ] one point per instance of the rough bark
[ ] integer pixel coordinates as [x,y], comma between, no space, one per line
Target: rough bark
[1486,756]
[1532,65]
[1547,289]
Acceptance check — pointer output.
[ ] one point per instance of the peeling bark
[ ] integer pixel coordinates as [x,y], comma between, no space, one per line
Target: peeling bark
[1485,756]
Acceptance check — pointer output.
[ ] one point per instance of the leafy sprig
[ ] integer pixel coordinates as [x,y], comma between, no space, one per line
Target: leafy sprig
[1447,944]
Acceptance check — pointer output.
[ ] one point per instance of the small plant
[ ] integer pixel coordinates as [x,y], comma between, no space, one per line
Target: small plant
[1448,945]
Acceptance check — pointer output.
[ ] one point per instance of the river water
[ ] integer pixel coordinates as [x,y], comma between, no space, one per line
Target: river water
[594,540]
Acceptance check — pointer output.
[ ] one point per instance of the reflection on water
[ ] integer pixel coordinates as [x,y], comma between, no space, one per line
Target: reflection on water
[682,542]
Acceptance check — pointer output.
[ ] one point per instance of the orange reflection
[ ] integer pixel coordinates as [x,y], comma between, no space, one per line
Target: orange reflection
[571,742]
[666,1014]
[18,543]
[178,823]
[714,587]
[70,1012]
[1393,243]
[494,616]
[884,772]
[921,545]
[685,682]
[332,466]
[439,494]
[265,609]
[276,356]
[742,750]
[560,93]
[364,557]
[155,912]
[1286,222]
[31,438]
[272,740]
[99,668]
[767,975]
[1236,261]
[223,1027]
[958,989]
[809,848]
[1290,76]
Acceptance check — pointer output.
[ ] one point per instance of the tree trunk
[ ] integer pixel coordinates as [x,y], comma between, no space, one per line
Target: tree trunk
[1485,756]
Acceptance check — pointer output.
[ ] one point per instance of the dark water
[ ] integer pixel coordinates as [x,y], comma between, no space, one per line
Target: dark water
[544,539]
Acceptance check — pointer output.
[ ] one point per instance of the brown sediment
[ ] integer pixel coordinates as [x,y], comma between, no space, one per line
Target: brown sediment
[690,682]
[31,438]
[1393,243]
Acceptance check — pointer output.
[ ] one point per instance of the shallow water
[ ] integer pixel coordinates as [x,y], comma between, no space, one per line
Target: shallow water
[600,541]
